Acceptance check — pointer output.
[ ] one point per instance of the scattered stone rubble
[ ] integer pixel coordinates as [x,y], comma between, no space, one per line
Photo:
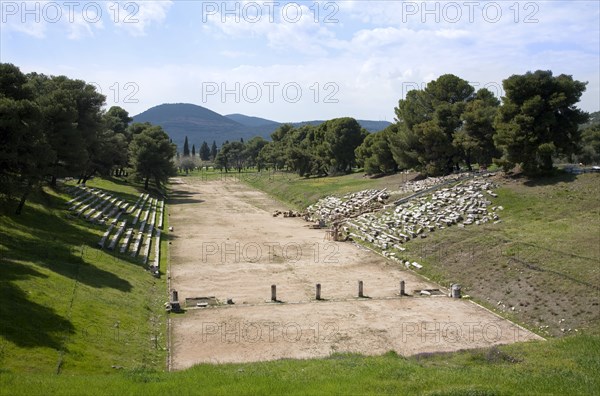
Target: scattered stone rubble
[365,217]
[331,209]
[287,213]
[462,205]
[411,186]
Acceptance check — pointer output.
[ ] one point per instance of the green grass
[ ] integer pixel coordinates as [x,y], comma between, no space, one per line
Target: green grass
[61,299]
[558,367]
[542,259]
[126,190]
[300,192]
[67,306]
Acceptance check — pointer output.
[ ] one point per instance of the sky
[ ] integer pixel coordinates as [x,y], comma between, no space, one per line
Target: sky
[304,60]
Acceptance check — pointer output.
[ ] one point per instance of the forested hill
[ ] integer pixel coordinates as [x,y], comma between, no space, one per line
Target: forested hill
[371,126]
[198,123]
[201,124]
[252,121]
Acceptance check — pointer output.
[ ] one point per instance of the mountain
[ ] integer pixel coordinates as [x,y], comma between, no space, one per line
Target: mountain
[371,126]
[374,126]
[201,124]
[184,112]
[198,124]
[251,121]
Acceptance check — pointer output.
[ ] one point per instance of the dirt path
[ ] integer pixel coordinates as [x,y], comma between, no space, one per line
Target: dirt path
[227,244]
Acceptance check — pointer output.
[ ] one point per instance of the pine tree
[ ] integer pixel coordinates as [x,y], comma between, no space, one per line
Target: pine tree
[25,154]
[152,156]
[193,150]
[538,120]
[204,152]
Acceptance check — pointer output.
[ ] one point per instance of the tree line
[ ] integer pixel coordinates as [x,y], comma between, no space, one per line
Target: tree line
[448,124]
[188,160]
[319,150]
[204,153]
[440,129]
[54,127]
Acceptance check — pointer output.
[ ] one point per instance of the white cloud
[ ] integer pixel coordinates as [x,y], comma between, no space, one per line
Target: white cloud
[284,29]
[452,33]
[368,65]
[83,24]
[80,19]
[379,37]
[25,17]
[37,30]
[236,54]
[39,18]
[136,17]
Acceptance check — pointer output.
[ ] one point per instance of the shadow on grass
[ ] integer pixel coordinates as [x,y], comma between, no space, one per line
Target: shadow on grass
[25,322]
[479,356]
[89,275]
[50,241]
[168,236]
[548,180]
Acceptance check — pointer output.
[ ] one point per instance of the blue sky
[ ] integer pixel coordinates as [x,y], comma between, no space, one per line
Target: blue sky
[294,61]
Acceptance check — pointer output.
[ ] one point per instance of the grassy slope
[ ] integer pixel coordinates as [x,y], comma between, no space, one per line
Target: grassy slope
[66,303]
[563,366]
[539,266]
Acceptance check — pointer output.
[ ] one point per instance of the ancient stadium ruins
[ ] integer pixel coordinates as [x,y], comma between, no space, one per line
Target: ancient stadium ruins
[259,287]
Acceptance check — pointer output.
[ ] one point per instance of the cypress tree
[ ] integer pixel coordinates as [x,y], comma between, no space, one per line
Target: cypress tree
[186,148]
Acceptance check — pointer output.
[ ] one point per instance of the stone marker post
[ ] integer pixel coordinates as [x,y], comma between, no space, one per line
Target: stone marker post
[455,293]
[175,306]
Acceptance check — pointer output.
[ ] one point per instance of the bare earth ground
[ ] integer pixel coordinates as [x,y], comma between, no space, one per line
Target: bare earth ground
[227,244]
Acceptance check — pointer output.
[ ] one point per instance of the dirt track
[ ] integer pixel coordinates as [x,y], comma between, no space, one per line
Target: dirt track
[227,244]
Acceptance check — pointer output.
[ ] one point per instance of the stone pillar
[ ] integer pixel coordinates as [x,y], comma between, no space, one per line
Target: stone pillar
[455,293]
[175,306]
[273,293]
[318,296]
[360,289]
